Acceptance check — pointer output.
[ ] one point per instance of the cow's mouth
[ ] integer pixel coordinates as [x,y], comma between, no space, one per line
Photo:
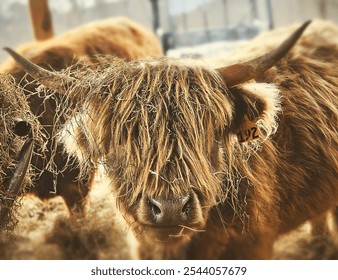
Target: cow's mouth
[167,234]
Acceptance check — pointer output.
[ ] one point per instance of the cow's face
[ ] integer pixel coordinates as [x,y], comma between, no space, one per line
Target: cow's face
[165,155]
[166,133]
[15,125]
[158,130]
[15,154]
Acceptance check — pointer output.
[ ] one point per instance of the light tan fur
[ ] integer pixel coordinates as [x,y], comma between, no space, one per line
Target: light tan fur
[118,36]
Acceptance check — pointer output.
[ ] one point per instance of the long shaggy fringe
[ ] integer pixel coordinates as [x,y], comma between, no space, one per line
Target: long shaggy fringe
[154,125]
[160,127]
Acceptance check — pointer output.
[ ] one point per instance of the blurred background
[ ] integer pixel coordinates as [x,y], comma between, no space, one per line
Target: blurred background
[181,24]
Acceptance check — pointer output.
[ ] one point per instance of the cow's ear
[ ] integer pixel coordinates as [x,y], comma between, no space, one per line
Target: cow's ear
[74,139]
[78,140]
[256,107]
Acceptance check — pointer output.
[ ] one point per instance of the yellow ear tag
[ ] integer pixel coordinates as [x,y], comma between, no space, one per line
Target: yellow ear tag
[248,131]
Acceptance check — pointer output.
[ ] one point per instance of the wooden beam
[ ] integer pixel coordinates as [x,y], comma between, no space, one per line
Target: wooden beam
[41,19]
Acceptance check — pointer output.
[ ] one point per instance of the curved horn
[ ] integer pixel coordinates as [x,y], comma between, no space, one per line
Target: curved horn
[242,72]
[18,177]
[47,78]
[21,168]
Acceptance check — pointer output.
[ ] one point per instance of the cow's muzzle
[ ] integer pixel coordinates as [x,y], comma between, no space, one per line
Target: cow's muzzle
[164,212]
[169,219]
[175,211]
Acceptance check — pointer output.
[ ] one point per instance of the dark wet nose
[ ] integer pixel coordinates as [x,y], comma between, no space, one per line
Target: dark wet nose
[171,212]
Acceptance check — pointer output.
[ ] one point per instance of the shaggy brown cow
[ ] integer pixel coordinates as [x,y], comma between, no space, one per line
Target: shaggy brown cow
[207,163]
[15,153]
[320,37]
[119,37]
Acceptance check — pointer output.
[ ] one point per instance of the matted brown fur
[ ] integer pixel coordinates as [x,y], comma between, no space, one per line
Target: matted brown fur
[13,107]
[166,128]
[119,37]
[321,39]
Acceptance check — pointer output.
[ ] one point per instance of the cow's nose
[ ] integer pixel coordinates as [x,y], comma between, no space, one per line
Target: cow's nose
[171,212]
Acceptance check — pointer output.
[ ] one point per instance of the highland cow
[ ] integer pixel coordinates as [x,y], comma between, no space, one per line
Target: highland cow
[18,129]
[119,37]
[209,163]
[321,38]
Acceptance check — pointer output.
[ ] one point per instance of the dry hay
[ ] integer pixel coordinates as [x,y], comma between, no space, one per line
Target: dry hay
[14,107]
[46,230]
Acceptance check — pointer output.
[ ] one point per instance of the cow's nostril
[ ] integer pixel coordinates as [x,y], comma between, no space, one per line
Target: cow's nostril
[171,211]
[156,211]
[155,206]
[186,206]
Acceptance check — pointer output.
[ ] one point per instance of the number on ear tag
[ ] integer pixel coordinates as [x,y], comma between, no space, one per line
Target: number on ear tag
[248,131]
